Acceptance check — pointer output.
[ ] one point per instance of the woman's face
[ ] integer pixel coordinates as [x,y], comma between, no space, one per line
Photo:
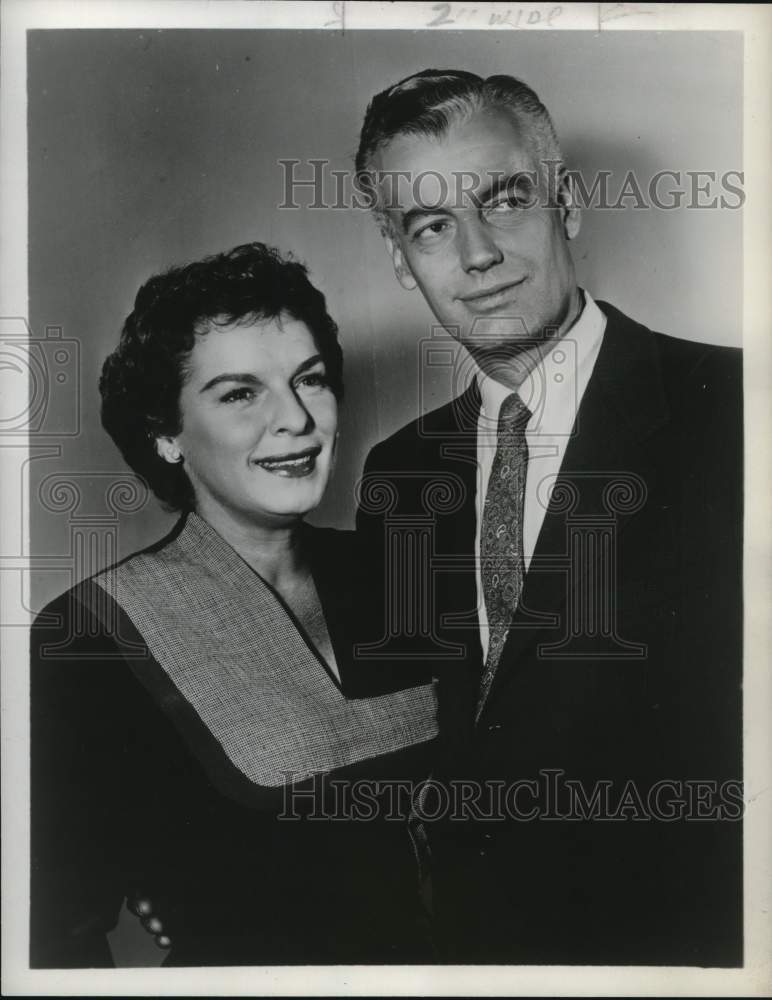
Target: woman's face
[259,423]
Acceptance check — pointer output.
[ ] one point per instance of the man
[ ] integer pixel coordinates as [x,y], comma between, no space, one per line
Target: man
[579,594]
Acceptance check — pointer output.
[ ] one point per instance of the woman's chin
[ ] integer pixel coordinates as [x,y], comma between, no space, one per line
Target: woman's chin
[282,515]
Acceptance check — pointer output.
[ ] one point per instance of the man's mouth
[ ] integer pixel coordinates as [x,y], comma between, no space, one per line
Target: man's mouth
[487,299]
[293,464]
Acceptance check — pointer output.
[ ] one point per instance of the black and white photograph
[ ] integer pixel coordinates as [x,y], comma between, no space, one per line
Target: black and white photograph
[384,429]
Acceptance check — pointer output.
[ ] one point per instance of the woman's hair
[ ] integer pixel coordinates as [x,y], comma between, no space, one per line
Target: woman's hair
[141,380]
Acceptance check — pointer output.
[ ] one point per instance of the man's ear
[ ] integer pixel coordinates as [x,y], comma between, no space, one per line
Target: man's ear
[401,268]
[168,450]
[570,213]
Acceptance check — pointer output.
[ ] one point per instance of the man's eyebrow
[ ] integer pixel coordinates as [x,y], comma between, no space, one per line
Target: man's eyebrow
[499,182]
[503,182]
[246,378]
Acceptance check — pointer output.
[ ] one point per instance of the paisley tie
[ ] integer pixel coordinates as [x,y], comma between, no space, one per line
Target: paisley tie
[501,537]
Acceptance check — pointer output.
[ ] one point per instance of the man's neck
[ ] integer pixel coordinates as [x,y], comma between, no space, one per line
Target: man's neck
[512,372]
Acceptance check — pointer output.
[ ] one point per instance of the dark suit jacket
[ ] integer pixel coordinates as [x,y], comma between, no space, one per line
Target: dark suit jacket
[622,670]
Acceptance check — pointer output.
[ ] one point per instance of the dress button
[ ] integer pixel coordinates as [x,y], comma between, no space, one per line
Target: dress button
[152,924]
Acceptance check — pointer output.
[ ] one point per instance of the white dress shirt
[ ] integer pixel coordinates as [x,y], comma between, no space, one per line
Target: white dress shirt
[552,392]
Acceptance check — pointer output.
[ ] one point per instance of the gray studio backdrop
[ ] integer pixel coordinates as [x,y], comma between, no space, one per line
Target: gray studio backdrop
[148,148]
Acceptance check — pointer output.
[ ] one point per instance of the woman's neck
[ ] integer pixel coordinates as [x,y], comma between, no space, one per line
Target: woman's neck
[274,552]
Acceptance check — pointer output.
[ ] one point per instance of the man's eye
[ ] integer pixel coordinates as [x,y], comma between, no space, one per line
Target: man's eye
[431,231]
[243,393]
[511,203]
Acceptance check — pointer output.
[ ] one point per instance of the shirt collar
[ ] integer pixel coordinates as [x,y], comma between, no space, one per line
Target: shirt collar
[558,381]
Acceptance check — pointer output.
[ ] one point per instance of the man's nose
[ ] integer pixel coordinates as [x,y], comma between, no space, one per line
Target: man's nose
[478,248]
[289,416]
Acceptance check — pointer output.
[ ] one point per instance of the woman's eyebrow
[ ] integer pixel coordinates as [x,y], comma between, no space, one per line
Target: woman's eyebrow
[245,377]
[308,363]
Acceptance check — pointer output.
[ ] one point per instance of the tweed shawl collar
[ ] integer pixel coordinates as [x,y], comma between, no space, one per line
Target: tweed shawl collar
[234,653]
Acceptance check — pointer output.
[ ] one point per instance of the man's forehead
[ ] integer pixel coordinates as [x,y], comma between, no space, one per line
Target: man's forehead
[473,154]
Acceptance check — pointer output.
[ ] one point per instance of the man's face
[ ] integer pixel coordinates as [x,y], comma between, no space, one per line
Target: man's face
[495,274]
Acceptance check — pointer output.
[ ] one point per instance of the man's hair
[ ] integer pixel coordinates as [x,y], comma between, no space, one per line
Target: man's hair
[141,380]
[427,103]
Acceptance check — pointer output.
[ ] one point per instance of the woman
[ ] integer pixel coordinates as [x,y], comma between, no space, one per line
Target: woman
[193,737]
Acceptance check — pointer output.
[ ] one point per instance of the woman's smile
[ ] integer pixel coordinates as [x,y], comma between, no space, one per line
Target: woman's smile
[293,465]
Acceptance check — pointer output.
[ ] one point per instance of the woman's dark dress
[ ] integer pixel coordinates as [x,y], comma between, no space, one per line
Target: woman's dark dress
[132,793]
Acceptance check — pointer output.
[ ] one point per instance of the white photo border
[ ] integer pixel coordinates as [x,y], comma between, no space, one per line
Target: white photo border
[755,979]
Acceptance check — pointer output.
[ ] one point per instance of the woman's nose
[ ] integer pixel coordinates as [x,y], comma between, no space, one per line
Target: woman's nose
[289,415]
[478,248]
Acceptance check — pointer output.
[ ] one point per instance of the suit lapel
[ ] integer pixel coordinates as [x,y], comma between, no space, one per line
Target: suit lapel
[607,472]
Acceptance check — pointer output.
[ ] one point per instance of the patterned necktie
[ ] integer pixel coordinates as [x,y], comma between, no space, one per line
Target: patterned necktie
[501,537]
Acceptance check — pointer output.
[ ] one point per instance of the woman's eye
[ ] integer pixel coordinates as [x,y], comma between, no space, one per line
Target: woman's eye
[238,395]
[313,380]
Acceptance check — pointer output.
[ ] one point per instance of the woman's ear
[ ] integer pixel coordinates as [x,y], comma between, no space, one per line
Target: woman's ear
[168,450]
[401,268]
